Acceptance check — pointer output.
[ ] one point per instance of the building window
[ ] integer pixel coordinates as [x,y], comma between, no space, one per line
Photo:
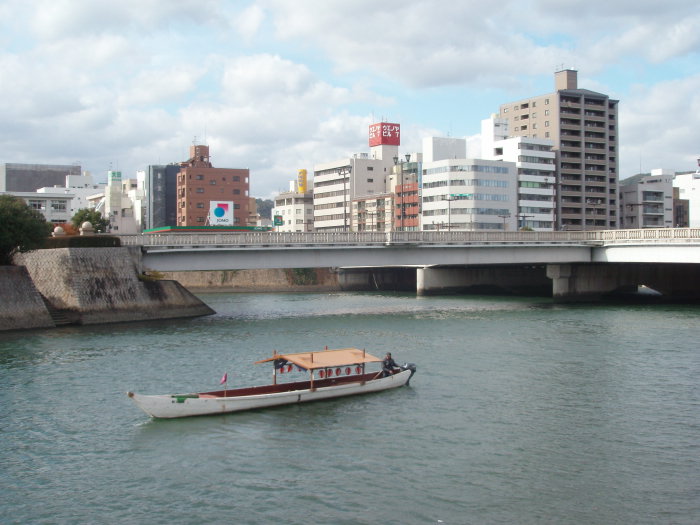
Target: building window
[546,102]
[200,219]
[546,134]
[236,192]
[236,178]
[200,190]
[546,123]
[212,182]
[370,180]
[200,205]
[370,168]
[199,177]
[36,205]
[546,112]
[58,205]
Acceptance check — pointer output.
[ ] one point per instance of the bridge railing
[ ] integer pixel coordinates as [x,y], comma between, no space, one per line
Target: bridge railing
[281,239]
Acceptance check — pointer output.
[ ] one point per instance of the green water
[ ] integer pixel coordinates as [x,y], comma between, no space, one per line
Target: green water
[520,412]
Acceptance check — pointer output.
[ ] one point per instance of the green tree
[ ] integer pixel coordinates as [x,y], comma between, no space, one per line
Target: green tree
[21,228]
[94,217]
[265,207]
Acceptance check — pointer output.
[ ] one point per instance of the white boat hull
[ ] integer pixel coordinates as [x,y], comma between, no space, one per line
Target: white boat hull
[168,406]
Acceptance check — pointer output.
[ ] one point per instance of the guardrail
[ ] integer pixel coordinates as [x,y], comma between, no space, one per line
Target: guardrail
[280,239]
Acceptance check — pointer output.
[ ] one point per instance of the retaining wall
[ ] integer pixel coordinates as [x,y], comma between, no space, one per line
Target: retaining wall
[21,306]
[262,280]
[102,285]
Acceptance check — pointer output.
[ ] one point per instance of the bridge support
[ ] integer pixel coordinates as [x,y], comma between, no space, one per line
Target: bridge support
[517,280]
[590,282]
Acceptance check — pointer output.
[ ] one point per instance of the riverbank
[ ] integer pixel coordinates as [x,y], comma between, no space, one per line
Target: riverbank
[263,280]
[84,286]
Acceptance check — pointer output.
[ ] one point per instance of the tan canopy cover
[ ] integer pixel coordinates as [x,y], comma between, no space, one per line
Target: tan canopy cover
[326,358]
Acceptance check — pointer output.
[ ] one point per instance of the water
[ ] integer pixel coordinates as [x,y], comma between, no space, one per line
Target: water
[521,412]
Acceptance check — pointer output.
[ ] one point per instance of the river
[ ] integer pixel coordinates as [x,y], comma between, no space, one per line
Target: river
[521,411]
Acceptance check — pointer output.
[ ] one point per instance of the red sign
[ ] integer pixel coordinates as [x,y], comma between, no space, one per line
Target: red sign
[385,133]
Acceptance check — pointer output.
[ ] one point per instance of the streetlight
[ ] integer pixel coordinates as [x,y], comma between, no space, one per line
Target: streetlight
[345,171]
[522,219]
[401,204]
[504,217]
[449,199]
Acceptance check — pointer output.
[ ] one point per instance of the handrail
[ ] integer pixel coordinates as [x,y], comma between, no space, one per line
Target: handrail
[290,239]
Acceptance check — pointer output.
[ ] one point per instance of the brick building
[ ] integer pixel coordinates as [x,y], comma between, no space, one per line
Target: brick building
[200,187]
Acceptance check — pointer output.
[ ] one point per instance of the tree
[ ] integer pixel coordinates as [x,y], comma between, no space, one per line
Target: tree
[94,217]
[265,207]
[22,229]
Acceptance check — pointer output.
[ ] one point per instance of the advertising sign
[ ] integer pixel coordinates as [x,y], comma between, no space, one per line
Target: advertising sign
[385,133]
[279,221]
[301,181]
[220,213]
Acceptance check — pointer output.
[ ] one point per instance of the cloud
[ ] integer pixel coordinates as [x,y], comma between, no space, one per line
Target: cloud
[659,126]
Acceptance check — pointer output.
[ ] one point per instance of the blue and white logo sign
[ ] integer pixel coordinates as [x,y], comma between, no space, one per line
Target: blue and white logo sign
[220,213]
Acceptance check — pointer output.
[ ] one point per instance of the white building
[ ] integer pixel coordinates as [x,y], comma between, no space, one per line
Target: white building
[536,171]
[337,183]
[293,211]
[646,201]
[55,207]
[688,185]
[461,194]
[81,187]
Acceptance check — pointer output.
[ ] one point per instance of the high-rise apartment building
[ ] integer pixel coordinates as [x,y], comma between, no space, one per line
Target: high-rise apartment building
[646,200]
[584,127]
[204,191]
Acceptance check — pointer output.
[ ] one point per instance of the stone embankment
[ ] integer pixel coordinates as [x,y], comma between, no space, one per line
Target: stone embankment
[282,280]
[87,286]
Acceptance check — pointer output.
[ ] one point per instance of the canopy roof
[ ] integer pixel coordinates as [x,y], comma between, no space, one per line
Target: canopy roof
[326,358]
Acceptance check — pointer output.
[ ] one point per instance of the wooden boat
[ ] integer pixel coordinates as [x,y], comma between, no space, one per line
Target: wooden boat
[332,373]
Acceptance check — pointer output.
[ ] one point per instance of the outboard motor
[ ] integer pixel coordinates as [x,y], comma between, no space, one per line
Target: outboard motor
[411,367]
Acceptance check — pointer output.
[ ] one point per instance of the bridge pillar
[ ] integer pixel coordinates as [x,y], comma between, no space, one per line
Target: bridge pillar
[586,282]
[520,280]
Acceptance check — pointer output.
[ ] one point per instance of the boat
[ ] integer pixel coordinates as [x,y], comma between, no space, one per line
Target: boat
[332,373]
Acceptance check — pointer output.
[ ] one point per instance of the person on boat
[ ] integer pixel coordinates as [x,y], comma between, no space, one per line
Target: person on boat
[388,365]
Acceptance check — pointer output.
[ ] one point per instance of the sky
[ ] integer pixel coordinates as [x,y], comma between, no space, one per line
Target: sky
[280,85]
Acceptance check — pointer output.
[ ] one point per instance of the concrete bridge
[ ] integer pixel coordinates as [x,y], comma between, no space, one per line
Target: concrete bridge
[569,265]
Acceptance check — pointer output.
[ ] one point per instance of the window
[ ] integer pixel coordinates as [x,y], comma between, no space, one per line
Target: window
[58,205]
[370,180]
[199,177]
[212,182]
[236,178]
[546,112]
[370,168]
[546,102]
[200,205]
[200,190]
[546,123]
[505,110]
[546,134]
[236,192]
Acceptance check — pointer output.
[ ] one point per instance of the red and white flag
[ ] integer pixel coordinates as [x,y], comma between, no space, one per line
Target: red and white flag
[224,379]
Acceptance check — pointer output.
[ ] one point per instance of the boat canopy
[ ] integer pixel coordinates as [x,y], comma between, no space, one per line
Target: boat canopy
[325,358]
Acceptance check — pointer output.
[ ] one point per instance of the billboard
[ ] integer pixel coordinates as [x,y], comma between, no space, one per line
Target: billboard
[301,181]
[385,133]
[220,213]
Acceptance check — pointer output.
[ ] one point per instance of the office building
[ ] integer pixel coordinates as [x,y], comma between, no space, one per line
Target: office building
[30,177]
[208,196]
[461,194]
[294,209]
[337,183]
[584,127]
[160,195]
[688,185]
[646,200]
[535,164]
